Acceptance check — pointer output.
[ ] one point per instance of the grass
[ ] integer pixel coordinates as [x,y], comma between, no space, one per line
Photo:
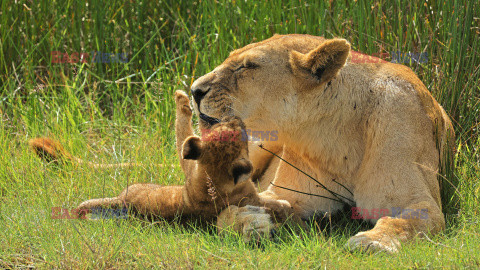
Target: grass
[116,112]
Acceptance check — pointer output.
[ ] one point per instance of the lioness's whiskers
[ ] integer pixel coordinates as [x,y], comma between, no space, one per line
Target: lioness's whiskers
[316,181]
[306,193]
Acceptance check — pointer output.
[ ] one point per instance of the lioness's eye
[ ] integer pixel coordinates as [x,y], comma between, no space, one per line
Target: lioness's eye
[250,65]
[247,65]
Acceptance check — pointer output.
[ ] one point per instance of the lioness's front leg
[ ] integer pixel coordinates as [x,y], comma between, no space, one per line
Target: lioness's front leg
[249,221]
[244,220]
[259,219]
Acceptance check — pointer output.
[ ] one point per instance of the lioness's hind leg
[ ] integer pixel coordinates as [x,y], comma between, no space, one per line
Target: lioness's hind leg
[183,126]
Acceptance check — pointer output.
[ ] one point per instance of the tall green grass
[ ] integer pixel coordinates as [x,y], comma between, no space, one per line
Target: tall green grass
[124,112]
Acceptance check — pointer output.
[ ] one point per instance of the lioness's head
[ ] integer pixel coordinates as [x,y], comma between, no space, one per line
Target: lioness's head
[222,151]
[262,82]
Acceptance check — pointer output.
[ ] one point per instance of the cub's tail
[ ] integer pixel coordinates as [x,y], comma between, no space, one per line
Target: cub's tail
[52,151]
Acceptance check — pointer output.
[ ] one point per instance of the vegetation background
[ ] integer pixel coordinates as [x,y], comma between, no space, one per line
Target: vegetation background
[121,112]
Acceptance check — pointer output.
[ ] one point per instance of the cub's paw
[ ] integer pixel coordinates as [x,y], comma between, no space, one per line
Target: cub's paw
[250,221]
[373,242]
[182,101]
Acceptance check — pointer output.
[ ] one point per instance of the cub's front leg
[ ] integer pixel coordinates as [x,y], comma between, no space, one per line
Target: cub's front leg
[152,199]
[183,128]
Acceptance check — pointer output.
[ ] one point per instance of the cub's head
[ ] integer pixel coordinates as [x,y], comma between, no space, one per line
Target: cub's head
[222,151]
[265,83]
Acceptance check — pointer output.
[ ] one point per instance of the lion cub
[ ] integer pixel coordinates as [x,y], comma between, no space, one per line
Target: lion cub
[217,171]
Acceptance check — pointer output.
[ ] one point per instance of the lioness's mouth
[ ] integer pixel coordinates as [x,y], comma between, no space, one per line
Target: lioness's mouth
[206,118]
[210,120]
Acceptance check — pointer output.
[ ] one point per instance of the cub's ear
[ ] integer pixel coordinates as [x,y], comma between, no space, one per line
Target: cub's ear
[241,170]
[192,148]
[323,62]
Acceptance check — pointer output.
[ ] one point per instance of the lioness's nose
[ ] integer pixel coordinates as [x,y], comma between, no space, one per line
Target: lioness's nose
[198,93]
[201,86]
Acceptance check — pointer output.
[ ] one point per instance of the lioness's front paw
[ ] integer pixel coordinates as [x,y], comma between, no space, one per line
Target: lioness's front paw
[371,241]
[182,101]
[251,221]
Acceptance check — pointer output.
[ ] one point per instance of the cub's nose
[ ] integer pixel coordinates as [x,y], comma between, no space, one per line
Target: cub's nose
[198,94]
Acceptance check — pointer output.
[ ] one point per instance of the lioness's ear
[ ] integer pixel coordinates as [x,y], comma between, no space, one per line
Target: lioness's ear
[192,148]
[241,170]
[323,62]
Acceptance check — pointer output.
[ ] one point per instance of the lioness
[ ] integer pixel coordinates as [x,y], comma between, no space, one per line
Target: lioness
[217,172]
[372,127]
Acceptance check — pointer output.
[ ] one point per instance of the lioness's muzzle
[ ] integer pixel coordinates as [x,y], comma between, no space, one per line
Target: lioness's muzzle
[198,99]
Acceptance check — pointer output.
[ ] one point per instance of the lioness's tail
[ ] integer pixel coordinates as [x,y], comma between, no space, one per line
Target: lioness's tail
[52,151]
[447,148]
[445,142]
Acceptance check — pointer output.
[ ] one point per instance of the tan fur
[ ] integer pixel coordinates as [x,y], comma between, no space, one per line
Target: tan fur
[372,127]
[217,171]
